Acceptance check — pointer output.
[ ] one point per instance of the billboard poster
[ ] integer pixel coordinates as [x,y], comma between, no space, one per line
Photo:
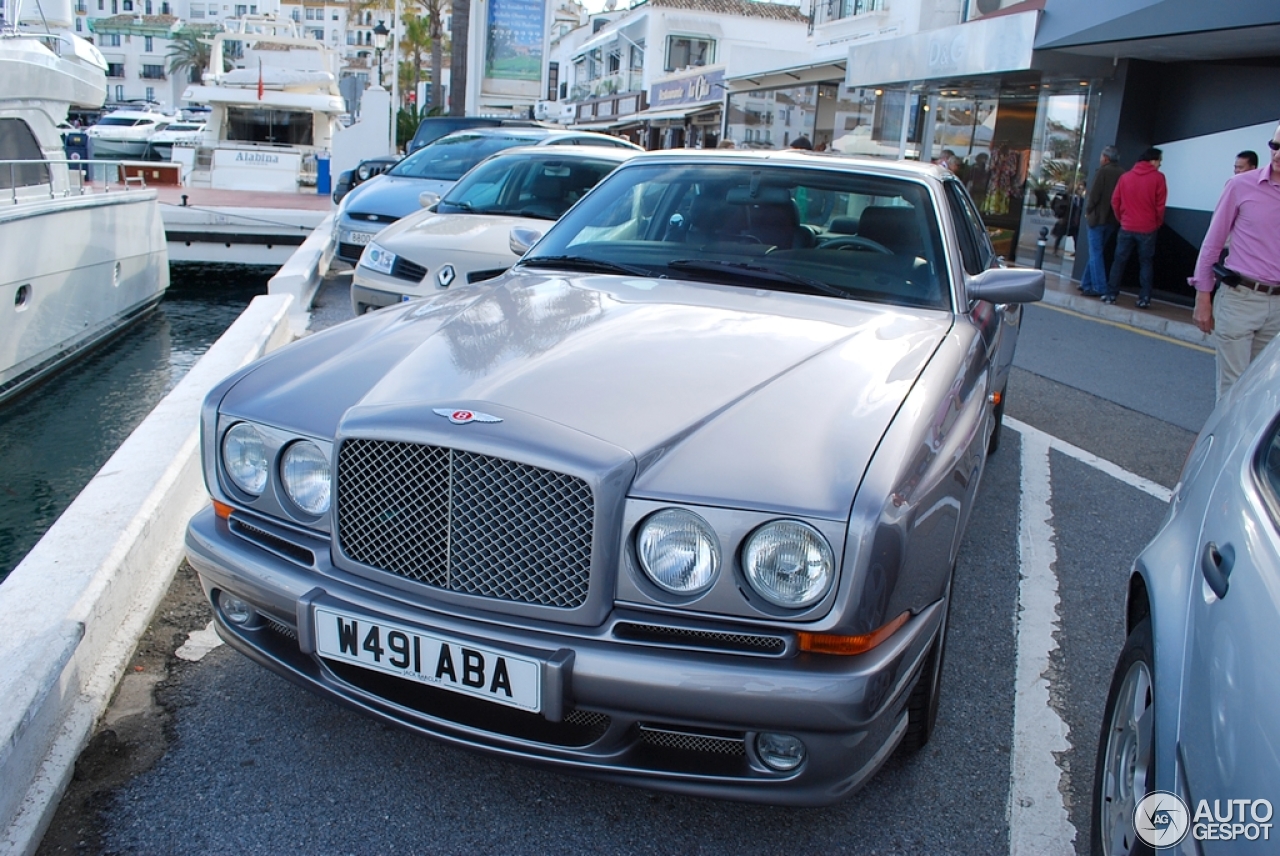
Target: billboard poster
[515,38]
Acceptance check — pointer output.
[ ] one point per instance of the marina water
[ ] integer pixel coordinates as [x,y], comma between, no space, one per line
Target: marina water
[54,438]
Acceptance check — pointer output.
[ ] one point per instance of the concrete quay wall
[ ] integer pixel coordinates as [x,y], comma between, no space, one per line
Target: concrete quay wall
[72,612]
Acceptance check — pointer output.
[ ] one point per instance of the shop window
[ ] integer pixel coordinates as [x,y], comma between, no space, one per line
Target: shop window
[687,51]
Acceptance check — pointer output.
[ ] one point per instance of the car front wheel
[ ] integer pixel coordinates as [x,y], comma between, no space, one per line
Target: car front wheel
[1126,767]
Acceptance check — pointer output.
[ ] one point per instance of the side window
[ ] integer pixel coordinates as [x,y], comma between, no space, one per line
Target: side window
[1267,468]
[18,143]
[976,251]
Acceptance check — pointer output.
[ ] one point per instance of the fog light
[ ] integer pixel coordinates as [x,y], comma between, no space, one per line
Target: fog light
[235,610]
[780,752]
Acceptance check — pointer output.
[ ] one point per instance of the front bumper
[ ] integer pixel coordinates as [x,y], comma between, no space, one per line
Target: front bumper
[663,716]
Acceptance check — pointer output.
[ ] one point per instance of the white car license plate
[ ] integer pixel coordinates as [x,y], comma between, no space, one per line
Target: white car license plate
[360,238]
[405,652]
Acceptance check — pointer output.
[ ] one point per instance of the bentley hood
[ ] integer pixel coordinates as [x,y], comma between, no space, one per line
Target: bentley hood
[721,394]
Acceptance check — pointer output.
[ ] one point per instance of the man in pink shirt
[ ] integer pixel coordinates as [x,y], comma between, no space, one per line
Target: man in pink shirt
[1138,203]
[1245,314]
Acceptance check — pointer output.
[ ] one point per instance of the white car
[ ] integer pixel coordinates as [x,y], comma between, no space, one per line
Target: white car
[467,236]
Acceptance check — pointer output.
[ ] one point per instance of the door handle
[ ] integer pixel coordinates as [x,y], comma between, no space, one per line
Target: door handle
[1216,566]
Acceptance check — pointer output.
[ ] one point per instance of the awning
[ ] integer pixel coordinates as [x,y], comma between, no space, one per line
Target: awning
[676,113]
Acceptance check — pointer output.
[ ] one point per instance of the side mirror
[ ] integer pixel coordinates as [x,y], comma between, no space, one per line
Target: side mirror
[522,239]
[427,198]
[1006,285]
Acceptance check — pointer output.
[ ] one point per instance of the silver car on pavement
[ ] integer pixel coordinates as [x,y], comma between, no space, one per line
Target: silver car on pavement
[1188,757]
[674,502]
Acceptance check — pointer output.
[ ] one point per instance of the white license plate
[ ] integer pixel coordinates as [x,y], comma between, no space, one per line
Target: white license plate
[360,238]
[406,652]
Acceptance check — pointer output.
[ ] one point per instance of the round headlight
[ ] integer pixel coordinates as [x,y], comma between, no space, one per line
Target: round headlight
[244,454]
[679,551]
[363,171]
[304,471]
[788,563]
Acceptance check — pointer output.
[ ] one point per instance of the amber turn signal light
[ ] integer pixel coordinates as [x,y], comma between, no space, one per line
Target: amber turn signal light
[826,643]
[222,509]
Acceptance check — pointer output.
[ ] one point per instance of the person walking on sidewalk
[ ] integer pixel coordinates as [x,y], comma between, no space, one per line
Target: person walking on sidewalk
[1245,314]
[1138,202]
[1101,220]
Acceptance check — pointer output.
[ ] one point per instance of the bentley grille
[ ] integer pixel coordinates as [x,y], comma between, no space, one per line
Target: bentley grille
[466,522]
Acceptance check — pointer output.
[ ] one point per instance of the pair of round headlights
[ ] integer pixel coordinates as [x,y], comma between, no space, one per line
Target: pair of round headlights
[304,468]
[788,563]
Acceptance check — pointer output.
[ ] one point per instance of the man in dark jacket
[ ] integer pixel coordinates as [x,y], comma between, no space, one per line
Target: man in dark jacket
[1102,221]
[1138,202]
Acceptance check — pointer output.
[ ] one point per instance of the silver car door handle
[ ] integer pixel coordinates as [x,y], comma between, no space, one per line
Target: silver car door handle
[1216,566]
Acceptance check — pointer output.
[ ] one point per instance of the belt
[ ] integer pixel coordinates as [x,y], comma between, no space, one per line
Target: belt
[1267,288]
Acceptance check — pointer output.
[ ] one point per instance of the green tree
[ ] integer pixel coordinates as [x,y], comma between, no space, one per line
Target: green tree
[415,43]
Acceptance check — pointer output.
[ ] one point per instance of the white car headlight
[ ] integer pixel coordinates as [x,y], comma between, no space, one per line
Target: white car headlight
[376,258]
[363,172]
[304,472]
[788,563]
[244,456]
[679,551]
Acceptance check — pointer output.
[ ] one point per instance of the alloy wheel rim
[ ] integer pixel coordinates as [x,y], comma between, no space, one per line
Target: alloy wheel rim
[1127,767]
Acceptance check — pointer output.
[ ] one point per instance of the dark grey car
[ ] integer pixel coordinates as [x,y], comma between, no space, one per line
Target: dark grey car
[674,502]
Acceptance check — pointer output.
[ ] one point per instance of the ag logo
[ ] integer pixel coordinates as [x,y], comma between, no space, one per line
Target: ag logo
[1161,819]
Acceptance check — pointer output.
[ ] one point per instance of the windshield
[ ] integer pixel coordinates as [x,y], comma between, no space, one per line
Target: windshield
[119,121]
[182,126]
[448,158]
[542,186]
[821,231]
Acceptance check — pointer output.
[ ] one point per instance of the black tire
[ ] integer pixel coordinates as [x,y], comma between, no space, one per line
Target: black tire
[998,413]
[922,707]
[1125,770]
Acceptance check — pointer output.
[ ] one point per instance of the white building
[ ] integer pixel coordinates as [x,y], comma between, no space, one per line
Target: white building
[656,73]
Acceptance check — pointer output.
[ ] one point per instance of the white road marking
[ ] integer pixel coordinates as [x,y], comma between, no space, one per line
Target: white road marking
[198,644]
[1117,472]
[1038,820]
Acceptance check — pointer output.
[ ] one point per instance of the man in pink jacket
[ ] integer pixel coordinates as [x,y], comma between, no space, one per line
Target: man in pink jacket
[1138,202]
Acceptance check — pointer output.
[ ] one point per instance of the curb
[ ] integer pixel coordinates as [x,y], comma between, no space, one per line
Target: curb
[96,577]
[1136,318]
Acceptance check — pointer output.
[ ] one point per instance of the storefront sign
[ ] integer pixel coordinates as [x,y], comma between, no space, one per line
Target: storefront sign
[708,86]
[979,47]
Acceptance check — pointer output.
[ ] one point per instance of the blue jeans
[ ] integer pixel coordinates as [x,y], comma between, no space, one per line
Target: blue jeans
[1094,280]
[1126,243]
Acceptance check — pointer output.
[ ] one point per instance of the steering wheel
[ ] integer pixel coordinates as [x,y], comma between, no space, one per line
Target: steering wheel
[855,242]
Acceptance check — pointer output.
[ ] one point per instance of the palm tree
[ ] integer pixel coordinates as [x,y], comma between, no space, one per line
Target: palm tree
[189,54]
[416,40]
[435,17]
[458,58]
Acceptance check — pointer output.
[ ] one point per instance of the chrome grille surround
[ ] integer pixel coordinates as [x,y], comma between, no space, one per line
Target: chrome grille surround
[466,522]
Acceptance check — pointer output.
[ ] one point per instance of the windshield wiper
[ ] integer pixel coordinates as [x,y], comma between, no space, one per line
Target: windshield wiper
[584,264]
[758,272]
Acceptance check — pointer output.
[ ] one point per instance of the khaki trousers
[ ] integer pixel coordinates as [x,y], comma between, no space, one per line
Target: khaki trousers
[1244,322]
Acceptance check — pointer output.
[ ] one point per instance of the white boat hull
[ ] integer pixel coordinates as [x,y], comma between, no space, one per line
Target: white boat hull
[89,265]
[109,149]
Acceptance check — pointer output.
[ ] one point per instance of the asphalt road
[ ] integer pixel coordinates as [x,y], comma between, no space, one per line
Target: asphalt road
[249,764]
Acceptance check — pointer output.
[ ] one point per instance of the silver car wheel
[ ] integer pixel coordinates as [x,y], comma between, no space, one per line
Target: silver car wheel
[1126,767]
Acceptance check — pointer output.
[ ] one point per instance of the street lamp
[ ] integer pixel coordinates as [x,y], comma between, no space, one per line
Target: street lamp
[380,34]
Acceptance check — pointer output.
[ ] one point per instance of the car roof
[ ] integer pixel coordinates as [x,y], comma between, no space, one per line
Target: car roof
[567,153]
[795,157]
[543,134]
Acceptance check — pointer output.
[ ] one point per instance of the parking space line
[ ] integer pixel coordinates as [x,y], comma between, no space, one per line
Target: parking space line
[1038,820]
[1117,472]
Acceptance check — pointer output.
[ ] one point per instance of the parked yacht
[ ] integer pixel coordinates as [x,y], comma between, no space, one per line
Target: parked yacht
[181,132]
[126,133]
[272,112]
[79,263]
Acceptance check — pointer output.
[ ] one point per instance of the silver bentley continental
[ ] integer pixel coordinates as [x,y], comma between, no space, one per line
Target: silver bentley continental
[675,502]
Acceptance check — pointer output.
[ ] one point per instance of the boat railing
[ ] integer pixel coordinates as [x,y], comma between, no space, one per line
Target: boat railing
[26,180]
